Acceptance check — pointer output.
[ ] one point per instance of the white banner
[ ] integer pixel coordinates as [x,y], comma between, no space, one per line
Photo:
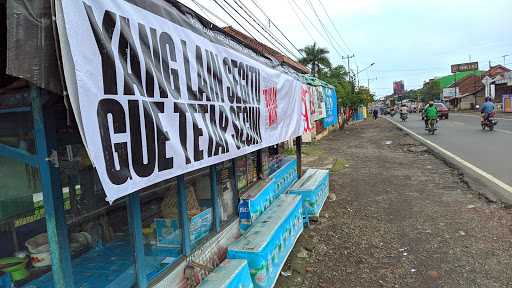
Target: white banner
[155,99]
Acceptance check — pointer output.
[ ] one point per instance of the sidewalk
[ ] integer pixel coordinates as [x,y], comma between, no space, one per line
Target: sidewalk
[399,218]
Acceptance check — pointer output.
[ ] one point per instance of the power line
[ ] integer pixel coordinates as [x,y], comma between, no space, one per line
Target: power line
[257,30]
[301,22]
[335,29]
[236,21]
[273,23]
[253,17]
[316,28]
[322,24]
[208,11]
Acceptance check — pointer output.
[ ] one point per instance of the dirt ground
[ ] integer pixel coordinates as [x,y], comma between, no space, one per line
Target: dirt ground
[400,217]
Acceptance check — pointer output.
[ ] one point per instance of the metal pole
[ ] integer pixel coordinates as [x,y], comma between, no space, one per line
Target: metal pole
[135,225]
[217,219]
[53,198]
[183,211]
[298,153]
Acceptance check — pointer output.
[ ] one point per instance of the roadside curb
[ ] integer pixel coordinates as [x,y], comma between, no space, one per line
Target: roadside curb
[485,184]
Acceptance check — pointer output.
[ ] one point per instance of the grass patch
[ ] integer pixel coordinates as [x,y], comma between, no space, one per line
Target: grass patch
[338,165]
[313,150]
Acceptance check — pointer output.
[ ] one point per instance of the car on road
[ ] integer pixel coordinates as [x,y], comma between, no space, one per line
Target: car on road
[443,110]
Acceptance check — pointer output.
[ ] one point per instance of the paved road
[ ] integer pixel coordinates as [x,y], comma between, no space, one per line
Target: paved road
[462,135]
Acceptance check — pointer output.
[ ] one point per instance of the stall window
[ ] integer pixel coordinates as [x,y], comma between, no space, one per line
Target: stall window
[228,197]
[98,232]
[16,130]
[200,205]
[241,172]
[275,157]
[265,161]
[161,227]
[23,240]
[252,171]
[246,170]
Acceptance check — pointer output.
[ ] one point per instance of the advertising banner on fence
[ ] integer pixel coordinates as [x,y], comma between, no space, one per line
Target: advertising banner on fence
[156,94]
[331,107]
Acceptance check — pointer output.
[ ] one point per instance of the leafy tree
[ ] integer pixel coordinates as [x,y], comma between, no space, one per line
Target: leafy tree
[431,91]
[316,57]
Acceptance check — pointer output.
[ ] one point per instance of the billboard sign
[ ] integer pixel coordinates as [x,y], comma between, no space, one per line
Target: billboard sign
[450,92]
[398,88]
[470,66]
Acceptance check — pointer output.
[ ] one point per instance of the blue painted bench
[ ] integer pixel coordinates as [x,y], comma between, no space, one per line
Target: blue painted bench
[231,273]
[285,176]
[268,242]
[255,201]
[314,188]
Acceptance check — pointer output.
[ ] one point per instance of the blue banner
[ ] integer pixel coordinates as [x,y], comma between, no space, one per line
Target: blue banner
[331,107]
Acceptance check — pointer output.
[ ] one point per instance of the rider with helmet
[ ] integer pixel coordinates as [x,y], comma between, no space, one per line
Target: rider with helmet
[430,113]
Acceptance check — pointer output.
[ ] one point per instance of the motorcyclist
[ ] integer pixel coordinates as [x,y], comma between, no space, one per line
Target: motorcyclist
[487,109]
[430,113]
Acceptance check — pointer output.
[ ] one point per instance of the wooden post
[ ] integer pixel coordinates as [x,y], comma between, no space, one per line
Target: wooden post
[298,153]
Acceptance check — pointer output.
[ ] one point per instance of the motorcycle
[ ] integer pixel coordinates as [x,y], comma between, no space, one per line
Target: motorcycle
[403,117]
[490,122]
[431,126]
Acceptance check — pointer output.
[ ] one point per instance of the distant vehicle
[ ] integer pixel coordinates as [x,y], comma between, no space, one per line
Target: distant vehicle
[443,111]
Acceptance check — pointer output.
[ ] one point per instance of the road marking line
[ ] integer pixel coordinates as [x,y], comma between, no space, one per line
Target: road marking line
[503,131]
[460,160]
[470,115]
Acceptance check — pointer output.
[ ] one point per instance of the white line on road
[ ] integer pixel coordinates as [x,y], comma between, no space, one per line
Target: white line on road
[460,160]
[503,131]
[471,115]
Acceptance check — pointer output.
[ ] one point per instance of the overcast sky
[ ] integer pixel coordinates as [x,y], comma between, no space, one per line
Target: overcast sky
[410,40]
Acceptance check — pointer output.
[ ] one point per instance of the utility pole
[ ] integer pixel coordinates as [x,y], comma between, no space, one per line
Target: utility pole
[348,63]
[348,69]
[504,58]
[357,76]
[370,79]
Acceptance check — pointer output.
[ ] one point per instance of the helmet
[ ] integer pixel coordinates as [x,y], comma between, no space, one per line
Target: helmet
[487,99]
[430,102]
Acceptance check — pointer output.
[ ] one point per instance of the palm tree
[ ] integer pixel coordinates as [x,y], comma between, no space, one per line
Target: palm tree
[316,57]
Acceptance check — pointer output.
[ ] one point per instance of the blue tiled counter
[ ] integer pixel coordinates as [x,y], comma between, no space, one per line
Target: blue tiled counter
[314,188]
[255,201]
[231,273]
[285,176]
[268,242]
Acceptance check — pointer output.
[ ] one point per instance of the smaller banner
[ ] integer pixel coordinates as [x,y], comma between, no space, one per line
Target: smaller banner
[331,107]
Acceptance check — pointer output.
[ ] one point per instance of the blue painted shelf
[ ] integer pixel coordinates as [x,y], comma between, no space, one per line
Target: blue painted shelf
[285,176]
[268,242]
[231,273]
[314,188]
[255,201]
